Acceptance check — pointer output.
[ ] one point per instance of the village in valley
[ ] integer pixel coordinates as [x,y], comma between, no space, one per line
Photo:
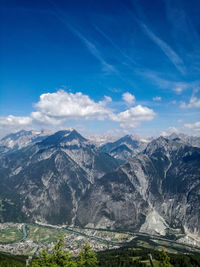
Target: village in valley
[31,239]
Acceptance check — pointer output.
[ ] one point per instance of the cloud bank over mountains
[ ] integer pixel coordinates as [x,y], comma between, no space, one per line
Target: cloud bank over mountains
[61,107]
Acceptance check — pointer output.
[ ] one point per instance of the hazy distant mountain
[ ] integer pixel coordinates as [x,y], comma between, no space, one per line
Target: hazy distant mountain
[125,147]
[100,140]
[22,138]
[189,140]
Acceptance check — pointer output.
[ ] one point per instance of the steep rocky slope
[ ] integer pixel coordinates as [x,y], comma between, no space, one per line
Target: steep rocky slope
[18,140]
[156,191]
[45,181]
[64,178]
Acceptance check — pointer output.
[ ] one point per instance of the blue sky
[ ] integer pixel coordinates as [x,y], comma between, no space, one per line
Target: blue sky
[117,67]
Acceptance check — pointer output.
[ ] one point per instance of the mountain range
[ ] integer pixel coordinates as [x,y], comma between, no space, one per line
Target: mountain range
[125,147]
[151,186]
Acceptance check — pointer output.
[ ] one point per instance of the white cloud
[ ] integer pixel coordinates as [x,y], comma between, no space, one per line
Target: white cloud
[54,110]
[62,106]
[193,126]
[107,99]
[43,119]
[193,103]
[15,121]
[57,108]
[157,98]
[128,98]
[12,124]
[178,90]
[131,118]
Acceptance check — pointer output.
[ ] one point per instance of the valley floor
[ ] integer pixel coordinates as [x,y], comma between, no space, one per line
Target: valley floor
[30,239]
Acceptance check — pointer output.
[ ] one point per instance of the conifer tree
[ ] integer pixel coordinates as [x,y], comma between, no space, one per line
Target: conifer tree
[87,257]
[164,259]
[57,257]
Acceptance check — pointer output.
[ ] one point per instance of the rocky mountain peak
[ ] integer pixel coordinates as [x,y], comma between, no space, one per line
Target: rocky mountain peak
[74,135]
[125,147]
[160,144]
[173,136]
[63,137]
[17,135]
